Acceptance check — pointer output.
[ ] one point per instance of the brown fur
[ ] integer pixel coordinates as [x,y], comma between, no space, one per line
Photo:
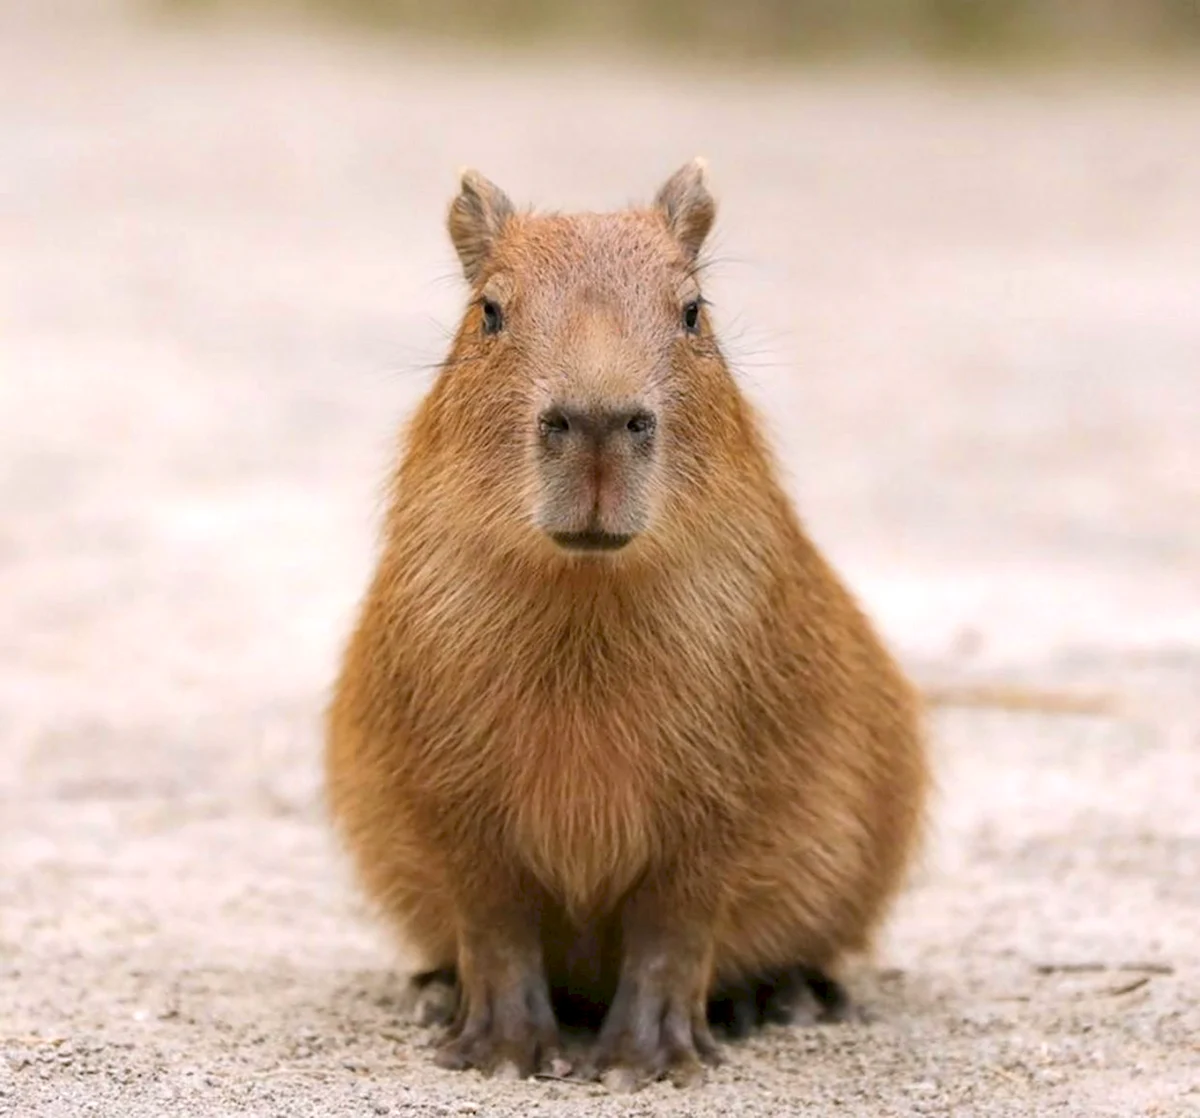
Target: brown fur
[631,776]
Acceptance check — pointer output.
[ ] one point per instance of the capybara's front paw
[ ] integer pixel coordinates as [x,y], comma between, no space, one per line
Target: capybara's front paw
[509,1032]
[650,1035]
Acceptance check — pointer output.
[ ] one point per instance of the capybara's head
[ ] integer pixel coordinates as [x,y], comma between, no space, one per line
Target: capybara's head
[585,398]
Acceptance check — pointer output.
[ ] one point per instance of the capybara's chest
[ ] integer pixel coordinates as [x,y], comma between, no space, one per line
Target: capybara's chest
[586,774]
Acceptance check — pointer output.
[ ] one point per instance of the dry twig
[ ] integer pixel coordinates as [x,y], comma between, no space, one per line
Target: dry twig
[1011,697]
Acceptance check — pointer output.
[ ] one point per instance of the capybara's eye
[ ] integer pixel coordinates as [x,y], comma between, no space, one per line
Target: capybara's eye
[553,422]
[641,423]
[493,320]
[691,316]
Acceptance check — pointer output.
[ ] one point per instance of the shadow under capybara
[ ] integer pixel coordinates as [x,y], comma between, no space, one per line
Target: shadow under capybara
[611,740]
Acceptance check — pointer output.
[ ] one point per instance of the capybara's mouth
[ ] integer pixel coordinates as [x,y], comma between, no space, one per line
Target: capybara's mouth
[590,541]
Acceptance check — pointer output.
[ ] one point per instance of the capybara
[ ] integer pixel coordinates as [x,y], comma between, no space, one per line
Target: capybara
[611,741]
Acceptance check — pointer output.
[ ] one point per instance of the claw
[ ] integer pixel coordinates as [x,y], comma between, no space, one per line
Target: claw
[620,1080]
[556,1066]
[452,1057]
[687,1073]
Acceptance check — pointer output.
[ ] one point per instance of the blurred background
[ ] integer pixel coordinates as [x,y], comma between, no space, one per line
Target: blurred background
[787,29]
[957,265]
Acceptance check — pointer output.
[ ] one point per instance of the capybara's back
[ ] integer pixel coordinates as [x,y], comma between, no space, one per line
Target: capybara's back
[611,740]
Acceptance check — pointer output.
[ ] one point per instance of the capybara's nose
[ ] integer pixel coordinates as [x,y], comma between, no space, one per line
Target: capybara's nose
[599,424]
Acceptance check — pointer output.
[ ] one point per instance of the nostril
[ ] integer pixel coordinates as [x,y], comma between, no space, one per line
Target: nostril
[553,422]
[641,423]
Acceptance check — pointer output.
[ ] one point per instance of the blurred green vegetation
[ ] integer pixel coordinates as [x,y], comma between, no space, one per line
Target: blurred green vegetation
[778,27]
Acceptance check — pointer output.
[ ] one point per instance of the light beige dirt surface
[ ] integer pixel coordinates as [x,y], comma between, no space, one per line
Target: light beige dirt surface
[971,311]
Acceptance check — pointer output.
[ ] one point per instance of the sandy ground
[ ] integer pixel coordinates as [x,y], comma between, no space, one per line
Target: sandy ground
[972,312]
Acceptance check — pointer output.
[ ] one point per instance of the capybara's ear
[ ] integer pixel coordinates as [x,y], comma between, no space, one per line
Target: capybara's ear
[687,205]
[476,217]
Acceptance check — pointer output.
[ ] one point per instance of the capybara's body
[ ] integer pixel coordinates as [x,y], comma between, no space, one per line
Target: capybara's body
[610,733]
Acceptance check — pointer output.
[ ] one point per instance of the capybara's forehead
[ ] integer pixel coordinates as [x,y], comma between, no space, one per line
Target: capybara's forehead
[631,249]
